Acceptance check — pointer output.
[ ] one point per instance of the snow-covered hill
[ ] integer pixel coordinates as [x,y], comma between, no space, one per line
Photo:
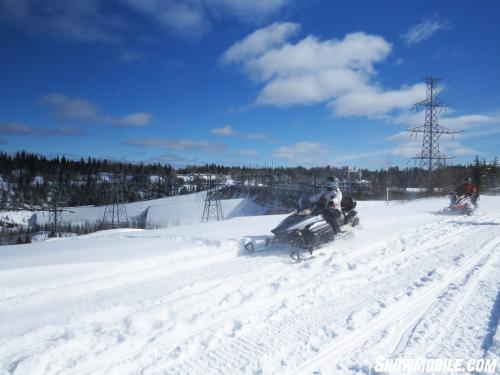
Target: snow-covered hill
[189,300]
[159,213]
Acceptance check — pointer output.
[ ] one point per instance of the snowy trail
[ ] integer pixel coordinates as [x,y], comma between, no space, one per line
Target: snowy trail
[188,300]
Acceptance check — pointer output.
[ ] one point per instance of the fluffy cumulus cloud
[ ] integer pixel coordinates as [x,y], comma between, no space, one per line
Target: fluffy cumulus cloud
[338,72]
[306,153]
[176,144]
[375,101]
[425,29]
[65,108]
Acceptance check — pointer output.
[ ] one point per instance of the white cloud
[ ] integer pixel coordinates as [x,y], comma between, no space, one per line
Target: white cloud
[78,20]
[134,119]
[247,152]
[183,17]
[104,21]
[407,149]
[25,129]
[192,18]
[337,72]
[375,102]
[256,136]
[130,57]
[307,153]
[260,41]
[472,126]
[225,131]
[411,148]
[424,30]
[461,122]
[66,108]
[176,144]
[468,121]
[245,9]
[410,144]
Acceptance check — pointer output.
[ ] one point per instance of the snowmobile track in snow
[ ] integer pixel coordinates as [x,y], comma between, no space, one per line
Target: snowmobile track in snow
[297,329]
[402,294]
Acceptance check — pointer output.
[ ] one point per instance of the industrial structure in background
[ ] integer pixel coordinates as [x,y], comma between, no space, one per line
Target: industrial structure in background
[431,158]
[352,181]
[213,207]
[115,213]
[55,216]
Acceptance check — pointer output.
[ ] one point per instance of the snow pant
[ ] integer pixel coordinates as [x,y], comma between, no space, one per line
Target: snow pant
[331,215]
[474,198]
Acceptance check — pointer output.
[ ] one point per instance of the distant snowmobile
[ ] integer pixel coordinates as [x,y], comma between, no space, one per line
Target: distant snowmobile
[306,229]
[460,204]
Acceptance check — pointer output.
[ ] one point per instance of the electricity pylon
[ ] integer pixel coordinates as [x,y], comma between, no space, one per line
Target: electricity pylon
[431,158]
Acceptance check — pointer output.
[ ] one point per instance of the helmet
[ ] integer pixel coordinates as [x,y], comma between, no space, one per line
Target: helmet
[332,183]
[468,180]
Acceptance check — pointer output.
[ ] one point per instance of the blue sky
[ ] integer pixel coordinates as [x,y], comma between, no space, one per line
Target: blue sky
[262,82]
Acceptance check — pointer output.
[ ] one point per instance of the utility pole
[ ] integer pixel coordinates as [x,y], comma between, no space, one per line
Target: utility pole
[431,158]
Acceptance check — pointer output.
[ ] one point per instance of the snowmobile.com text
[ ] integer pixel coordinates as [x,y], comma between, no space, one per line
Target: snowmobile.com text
[434,365]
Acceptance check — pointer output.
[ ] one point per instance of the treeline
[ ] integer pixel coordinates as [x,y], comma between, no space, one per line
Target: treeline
[485,175]
[34,180]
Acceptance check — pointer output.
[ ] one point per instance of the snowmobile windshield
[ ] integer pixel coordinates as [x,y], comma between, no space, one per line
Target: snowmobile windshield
[306,207]
[303,203]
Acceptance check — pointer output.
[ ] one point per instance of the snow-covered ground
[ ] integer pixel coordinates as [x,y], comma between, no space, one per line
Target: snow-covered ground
[160,213]
[189,300]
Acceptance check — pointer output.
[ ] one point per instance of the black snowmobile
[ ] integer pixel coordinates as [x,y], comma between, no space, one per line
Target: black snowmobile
[307,230]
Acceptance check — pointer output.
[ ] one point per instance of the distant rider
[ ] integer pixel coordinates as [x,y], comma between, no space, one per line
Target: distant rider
[469,190]
[331,198]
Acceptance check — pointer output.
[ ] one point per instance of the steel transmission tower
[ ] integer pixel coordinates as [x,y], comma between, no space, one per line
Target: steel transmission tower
[431,158]
[213,206]
[55,215]
[115,213]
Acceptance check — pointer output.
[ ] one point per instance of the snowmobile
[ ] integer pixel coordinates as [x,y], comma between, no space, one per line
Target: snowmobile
[461,204]
[306,230]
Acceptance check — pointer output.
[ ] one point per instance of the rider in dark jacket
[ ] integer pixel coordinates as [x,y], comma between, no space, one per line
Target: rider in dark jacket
[468,189]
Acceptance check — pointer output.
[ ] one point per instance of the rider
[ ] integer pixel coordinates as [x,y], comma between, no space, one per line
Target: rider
[331,197]
[468,189]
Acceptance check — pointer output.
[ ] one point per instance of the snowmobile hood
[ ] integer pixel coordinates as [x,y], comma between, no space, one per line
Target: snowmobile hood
[296,222]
